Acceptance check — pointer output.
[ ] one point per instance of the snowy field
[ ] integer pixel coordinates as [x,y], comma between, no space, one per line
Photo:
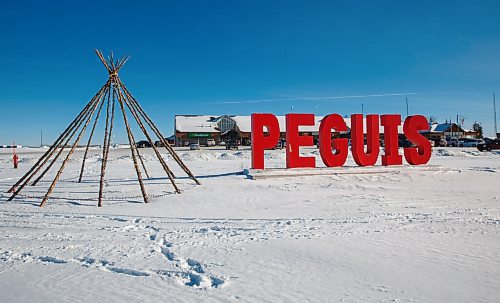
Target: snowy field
[404,236]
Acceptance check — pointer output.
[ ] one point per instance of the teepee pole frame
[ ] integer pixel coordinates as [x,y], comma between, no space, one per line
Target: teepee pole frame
[112,92]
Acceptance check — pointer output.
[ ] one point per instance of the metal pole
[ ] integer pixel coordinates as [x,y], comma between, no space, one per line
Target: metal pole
[41,138]
[362,109]
[495,114]
[407,106]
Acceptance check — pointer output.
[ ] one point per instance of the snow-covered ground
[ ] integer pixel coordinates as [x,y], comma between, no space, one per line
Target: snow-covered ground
[404,236]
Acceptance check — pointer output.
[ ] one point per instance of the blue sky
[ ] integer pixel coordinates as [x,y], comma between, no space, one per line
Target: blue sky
[222,57]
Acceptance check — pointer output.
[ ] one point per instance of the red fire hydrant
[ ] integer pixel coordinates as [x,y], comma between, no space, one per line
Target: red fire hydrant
[16,160]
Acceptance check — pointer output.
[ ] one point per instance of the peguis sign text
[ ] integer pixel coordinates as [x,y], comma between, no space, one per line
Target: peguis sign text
[266,134]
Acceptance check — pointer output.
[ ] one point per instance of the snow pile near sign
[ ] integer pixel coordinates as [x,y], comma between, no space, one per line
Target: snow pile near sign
[415,236]
[443,152]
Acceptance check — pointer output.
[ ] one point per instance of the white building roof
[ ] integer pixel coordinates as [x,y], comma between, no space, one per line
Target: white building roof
[196,124]
[442,127]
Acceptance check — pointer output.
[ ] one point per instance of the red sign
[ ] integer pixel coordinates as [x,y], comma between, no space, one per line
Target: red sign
[262,140]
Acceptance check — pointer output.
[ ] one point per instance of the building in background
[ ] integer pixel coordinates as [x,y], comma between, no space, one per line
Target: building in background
[448,130]
[199,128]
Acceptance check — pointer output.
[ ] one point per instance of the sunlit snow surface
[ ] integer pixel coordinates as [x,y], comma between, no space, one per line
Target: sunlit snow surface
[414,236]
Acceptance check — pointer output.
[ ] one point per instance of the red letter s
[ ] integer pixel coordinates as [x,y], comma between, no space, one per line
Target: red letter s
[422,153]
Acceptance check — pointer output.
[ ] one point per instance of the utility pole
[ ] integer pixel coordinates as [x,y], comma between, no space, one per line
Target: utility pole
[362,109]
[495,113]
[406,106]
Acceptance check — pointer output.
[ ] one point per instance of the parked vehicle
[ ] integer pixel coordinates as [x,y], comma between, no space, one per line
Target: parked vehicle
[194,146]
[442,143]
[404,143]
[210,142]
[489,145]
[281,144]
[168,140]
[221,143]
[452,142]
[232,144]
[143,144]
[469,142]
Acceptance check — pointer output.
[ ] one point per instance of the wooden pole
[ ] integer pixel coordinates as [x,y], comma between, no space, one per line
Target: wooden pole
[54,146]
[117,88]
[36,168]
[111,125]
[158,154]
[142,161]
[63,147]
[133,150]
[160,136]
[112,61]
[58,175]
[118,85]
[105,146]
[123,61]
[90,140]
[101,57]
[47,154]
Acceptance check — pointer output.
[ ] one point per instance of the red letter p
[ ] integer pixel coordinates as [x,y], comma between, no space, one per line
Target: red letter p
[261,141]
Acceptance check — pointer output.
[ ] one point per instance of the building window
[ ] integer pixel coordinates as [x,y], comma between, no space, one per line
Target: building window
[226,123]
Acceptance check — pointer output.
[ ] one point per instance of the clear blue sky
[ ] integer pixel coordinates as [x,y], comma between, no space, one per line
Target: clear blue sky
[189,57]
